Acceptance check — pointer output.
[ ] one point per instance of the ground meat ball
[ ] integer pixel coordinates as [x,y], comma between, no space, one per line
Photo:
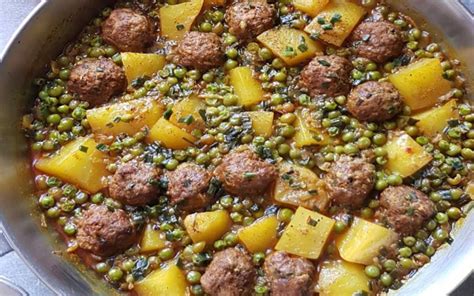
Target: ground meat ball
[199,50]
[96,80]
[231,273]
[289,276]
[246,20]
[187,186]
[404,208]
[374,101]
[128,30]
[135,183]
[377,41]
[244,174]
[104,232]
[349,181]
[327,75]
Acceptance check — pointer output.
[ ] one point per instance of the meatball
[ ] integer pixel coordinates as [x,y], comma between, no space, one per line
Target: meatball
[231,273]
[242,173]
[128,30]
[135,183]
[247,20]
[199,50]
[104,232]
[96,80]
[289,276]
[404,208]
[187,186]
[377,41]
[374,101]
[349,181]
[327,75]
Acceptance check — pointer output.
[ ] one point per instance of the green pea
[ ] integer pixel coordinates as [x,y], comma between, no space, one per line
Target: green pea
[284,149]
[374,75]
[232,53]
[394,180]
[102,267]
[364,143]
[46,201]
[442,218]
[230,64]
[166,253]
[386,279]
[193,277]
[277,63]
[64,74]
[179,72]
[409,241]
[53,212]
[406,263]
[81,198]
[295,153]
[164,87]
[236,217]
[219,244]
[97,198]
[453,150]
[70,229]
[206,27]
[265,54]
[285,215]
[202,158]
[389,265]
[379,139]
[412,131]
[454,213]
[115,274]
[197,290]
[366,213]
[405,252]
[381,185]
[230,39]
[53,118]
[48,145]
[280,76]
[258,258]
[351,149]
[208,77]
[231,239]
[171,164]
[287,131]
[380,151]
[56,91]
[339,226]
[440,234]
[372,271]
[467,153]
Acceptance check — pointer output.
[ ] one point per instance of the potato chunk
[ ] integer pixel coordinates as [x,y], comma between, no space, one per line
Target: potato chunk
[306,234]
[260,235]
[405,155]
[168,281]
[152,240]
[248,89]
[262,123]
[311,7]
[186,114]
[421,83]
[78,163]
[170,135]
[291,45]
[176,20]
[340,278]
[363,241]
[207,226]
[138,65]
[433,121]
[307,135]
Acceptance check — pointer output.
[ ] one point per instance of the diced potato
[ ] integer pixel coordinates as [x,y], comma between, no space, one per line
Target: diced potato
[433,121]
[340,17]
[138,65]
[260,235]
[187,108]
[169,281]
[405,155]
[291,45]
[262,123]
[176,20]
[307,135]
[248,89]
[421,83]
[363,241]
[470,190]
[306,234]
[78,163]
[170,135]
[212,3]
[310,7]
[127,117]
[152,240]
[299,186]
[207,226]
[340,278]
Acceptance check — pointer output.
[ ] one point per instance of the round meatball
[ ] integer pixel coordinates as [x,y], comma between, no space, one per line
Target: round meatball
[231,273]
[96,80]
[327,75]
[242,173]
[104,232]
[289,276]
[128,30]
[374,101]
[247,20]
[377,41]
[199,50]
[349,181]
[135,183]
[404,208]
[187,186]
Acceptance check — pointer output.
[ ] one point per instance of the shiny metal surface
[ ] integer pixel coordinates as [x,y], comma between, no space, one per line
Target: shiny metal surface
[41,37]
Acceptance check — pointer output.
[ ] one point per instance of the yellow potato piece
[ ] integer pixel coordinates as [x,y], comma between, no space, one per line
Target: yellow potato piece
[470,190]
[152,240]
[170,135]
[176,20]
[433,121]
[340,278]
[306,135]
[169,281]
[306,235]
[311,7]
[79,163]
[291,45]
[260,235]
[340,17]
[248,89]
[126,117]
[207,226]
[262,123]
[138,65]
[363,241]
[405,155]
[421,83]
[186,108]
[212,3]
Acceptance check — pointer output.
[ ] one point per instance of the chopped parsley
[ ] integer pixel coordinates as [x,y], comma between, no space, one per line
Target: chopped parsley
[336,18]
[186,119]
[249,175]
[289,52]
[324,63]
[312,222]
[83,149]
[102,147]
[167,114]
[327,27]
[179,27]
[303,46]
[321,20]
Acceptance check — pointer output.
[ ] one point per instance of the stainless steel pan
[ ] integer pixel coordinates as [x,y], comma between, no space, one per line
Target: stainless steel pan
[41,37]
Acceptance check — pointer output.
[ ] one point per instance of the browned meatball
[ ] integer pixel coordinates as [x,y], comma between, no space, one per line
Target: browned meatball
[135,183]
[104,232]
[231,273]
[199,50]
[246,19]
[289,276]
[244,174]
[349,181]
[404,208]
[327,75]
[128,30]
[96,80]
[377,41]
[187,186]
[374,101]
